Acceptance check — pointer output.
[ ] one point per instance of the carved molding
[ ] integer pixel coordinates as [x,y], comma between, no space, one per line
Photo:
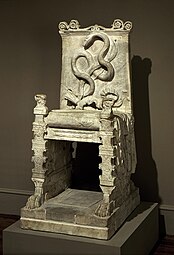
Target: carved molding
[117,24]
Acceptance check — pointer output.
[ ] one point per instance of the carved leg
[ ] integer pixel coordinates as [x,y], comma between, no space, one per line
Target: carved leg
[107,179]
[36,199]
[107,205]
[39,149]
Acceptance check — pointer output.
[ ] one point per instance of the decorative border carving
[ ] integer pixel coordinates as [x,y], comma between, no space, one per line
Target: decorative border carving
[117,25]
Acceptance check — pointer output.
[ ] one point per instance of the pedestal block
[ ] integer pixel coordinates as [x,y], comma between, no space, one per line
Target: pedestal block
[137,236]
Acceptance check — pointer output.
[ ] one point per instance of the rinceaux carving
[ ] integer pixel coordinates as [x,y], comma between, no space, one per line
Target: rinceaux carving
[117,24]
[96,108]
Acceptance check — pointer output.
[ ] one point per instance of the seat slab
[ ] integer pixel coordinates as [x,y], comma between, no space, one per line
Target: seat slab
[75,119]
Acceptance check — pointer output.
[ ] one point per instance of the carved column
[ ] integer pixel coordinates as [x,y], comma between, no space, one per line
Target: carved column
[106,152]
[39,148]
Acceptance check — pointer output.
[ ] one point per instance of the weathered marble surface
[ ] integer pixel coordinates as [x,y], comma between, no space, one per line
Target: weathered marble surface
[96,107]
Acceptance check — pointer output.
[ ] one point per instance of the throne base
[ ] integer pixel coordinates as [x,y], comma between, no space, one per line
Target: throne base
[73,212]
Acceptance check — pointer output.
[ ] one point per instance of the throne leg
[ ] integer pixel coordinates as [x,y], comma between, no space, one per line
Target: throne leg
[39,148]
[107,179]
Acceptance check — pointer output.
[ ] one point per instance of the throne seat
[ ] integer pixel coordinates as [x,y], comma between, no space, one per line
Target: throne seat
[73,125]
[74,119]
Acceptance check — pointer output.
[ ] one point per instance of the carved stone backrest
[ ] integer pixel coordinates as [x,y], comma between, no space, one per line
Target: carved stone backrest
[95,65]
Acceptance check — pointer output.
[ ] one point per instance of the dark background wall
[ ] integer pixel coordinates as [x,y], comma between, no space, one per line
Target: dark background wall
[30,63]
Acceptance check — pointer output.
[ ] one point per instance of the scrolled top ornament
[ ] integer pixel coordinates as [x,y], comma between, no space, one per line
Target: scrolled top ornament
[73,25]
[128,25]
[117,25]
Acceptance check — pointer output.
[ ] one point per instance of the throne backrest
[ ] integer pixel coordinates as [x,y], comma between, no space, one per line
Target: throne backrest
[95,64]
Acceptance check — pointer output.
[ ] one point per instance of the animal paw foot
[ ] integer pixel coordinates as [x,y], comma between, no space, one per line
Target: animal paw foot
[33,202]
[103,210]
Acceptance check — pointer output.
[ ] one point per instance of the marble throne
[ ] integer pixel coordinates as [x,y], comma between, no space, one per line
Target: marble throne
[96,109]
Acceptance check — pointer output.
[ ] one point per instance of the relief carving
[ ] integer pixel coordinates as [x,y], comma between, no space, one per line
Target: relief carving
[99,67]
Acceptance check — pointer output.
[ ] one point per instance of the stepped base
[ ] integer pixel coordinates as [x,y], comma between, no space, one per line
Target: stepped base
[73,212]
[138,235]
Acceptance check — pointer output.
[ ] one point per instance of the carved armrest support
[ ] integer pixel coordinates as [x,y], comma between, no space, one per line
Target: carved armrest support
[39,148]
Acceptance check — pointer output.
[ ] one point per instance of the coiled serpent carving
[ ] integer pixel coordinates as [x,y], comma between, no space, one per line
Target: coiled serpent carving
[102,62]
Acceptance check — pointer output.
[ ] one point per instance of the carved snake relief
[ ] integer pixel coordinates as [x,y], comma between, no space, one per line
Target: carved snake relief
[105,64]
[108,76]
[83,75]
